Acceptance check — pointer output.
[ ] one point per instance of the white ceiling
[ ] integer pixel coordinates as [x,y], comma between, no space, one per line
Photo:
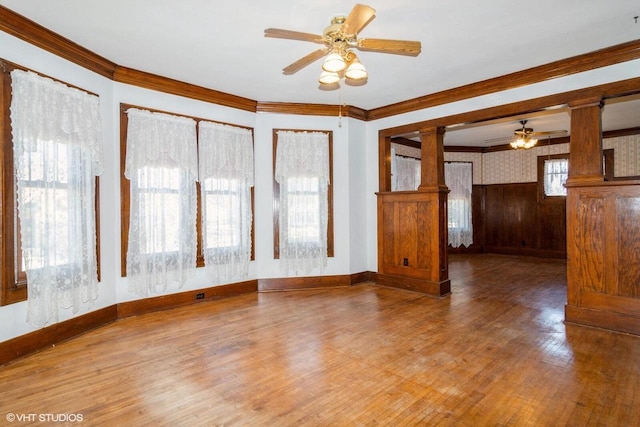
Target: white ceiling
[220,45]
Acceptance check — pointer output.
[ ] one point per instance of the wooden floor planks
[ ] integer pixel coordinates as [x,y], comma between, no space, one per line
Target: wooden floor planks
[496,352]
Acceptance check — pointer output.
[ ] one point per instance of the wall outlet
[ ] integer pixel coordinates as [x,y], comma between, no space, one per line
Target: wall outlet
[200,295]
[405,262]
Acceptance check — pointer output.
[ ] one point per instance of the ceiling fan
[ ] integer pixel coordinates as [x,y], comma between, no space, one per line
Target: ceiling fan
[526,137]
[338,40]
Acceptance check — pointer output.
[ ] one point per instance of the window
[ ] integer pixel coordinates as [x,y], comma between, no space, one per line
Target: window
[180,222]
[226,175]
[553,171]
[405,172]
[303,218]
[51,159]
[556,172]
[221,207]
[458,177]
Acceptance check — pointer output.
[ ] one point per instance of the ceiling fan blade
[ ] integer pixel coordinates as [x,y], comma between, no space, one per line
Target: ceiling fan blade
[550,132]
[357,19]
[293,35]
[304,61]
[398,47]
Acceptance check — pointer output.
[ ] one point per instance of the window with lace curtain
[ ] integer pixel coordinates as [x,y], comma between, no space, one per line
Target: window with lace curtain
[405,172]
[182,223]
[303,221]
[49,214]
[458,177]
[162,167]
[226,180]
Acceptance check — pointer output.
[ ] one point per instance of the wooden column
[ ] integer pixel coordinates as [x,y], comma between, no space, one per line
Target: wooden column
[412,227]
[603,233]
[432,160]
[585,143]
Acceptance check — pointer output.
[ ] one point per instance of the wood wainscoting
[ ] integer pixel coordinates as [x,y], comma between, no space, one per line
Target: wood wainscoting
[412,241]
[603,268]
[512,219]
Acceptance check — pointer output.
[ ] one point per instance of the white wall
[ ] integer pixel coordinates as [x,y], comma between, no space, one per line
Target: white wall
[348,141]
[13,317]
[355,167]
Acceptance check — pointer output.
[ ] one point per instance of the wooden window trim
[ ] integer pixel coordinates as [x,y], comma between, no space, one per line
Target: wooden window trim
[14,289]
[276,195]
[609,164]
[125,190]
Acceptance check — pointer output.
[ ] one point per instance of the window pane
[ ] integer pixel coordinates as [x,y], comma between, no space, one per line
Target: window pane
[222,213]
[303,216]
[158,187]
[556,172]
[45,196]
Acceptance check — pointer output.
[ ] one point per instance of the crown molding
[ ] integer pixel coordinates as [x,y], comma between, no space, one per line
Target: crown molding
[37,35]
[180,88]
[312,109]
[564,67]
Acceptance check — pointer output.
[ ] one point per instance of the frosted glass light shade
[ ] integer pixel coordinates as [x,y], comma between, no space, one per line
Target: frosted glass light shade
[356,71]
[334,63]
[524,143]
[328,78]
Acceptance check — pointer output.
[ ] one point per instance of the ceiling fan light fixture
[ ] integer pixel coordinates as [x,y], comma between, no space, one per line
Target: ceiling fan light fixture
[328,78]
[334,63]
[523,142]
[356,71]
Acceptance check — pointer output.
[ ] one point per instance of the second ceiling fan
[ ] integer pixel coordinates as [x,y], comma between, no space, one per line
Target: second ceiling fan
[339,39]
[527,138]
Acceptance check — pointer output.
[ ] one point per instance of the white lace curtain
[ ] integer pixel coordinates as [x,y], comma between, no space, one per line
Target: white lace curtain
[405,173]
[57,155]
[459,178]
[302,170]
[226,178]
[161,163]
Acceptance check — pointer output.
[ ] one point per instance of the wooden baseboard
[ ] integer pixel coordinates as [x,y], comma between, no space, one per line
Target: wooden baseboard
[295,283]
[609,320]
[165,302]
[51,335]
[540,253]
[54,334]
[436,289]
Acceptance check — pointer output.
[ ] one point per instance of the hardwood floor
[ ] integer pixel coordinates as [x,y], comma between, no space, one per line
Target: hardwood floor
[496,352]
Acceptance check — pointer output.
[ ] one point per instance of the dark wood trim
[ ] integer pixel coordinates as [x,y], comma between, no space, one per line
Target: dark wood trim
[54,334]
[603,319]
[362,277]
[179,88]
[520,251]
[434,289]
[312,109]
[543,198]
[604,91]
[165,302]
[37,35]
[564,67]
[276,193]
[125,192]
[297,283]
